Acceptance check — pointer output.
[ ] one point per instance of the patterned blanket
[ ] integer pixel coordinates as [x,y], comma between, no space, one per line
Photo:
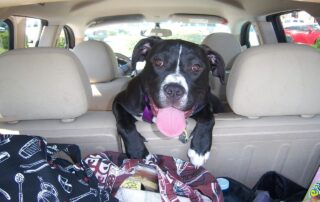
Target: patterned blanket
[33,171]
[174,177]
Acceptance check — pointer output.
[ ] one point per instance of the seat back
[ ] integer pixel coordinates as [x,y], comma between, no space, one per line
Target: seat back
[273,89]
[229,48]
[275,80]
[101,65]
[46,92]
[42,83]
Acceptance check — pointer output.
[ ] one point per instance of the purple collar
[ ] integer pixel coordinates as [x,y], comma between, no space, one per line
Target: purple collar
[147,115]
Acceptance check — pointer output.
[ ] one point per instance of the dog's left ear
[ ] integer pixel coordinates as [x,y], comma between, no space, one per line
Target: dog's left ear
[216,63]
[142,48]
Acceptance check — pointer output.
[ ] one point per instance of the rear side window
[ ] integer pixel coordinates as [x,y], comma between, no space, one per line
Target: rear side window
[249,35]
[61,42]
[301,28]
[4,36]
[33,30]
[253,36]
[66,38]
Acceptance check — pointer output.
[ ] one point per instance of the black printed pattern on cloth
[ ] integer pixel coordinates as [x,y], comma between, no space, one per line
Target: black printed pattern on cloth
[30,172]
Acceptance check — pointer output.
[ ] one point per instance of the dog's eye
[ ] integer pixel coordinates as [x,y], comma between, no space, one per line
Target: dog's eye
[196,68]
[158,62]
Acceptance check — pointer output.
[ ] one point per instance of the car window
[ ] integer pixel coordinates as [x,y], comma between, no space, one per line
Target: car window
[122,37]
[301,28]
[253,36]
[33,31]
[249,36]
[4,36]
[61,42]
[66,38]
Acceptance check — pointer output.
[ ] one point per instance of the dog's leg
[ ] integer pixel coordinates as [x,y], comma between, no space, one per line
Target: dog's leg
[133,140]
[201,141]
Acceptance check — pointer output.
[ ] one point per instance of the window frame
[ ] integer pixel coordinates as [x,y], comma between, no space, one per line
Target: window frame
[244,34]
[69,37]
[277,25]
[43,24]
[11,33]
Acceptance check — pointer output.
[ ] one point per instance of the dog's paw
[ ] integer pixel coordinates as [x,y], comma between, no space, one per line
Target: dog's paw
[198,159]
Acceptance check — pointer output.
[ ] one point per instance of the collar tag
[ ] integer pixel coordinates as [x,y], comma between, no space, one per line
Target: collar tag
[184,137]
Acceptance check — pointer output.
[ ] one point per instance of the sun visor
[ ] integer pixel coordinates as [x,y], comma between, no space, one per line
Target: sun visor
[116,19]
[198,18]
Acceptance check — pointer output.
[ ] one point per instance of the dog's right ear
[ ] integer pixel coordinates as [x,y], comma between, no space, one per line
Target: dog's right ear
[142,49]
[216,63]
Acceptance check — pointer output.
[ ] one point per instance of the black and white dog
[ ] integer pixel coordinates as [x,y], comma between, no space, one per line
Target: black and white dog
[176,75]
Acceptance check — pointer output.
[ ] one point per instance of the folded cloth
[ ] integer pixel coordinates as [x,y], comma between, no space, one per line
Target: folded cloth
[175,177]
[31,171]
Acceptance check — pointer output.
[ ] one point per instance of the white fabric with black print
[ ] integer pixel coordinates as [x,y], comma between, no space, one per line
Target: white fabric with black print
[30,172]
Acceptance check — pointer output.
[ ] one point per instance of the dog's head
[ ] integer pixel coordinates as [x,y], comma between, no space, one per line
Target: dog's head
[176,72]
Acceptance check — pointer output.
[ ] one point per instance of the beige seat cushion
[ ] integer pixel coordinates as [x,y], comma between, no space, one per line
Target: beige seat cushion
[98,60]
[100,64]
[104,93]
[244,149]
[275,80]
[226,44]
[47,91]
[229,48]
[94,131]
[42,83]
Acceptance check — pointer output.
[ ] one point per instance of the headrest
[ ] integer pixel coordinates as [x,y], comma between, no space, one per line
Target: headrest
[278,79]
[42,83]
[226,44]
[98,60]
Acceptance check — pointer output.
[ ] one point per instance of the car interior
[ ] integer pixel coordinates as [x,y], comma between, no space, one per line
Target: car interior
[62,62]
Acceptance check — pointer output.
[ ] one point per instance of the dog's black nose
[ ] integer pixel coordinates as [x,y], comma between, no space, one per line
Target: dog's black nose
[173,91]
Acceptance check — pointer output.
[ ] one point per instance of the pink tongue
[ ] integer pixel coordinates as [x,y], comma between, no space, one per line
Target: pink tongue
[171,121]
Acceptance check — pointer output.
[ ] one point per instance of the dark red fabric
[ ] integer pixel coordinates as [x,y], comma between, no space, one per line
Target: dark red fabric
[175,177]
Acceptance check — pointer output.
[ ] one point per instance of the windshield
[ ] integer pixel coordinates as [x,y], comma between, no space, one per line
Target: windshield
[122,37]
